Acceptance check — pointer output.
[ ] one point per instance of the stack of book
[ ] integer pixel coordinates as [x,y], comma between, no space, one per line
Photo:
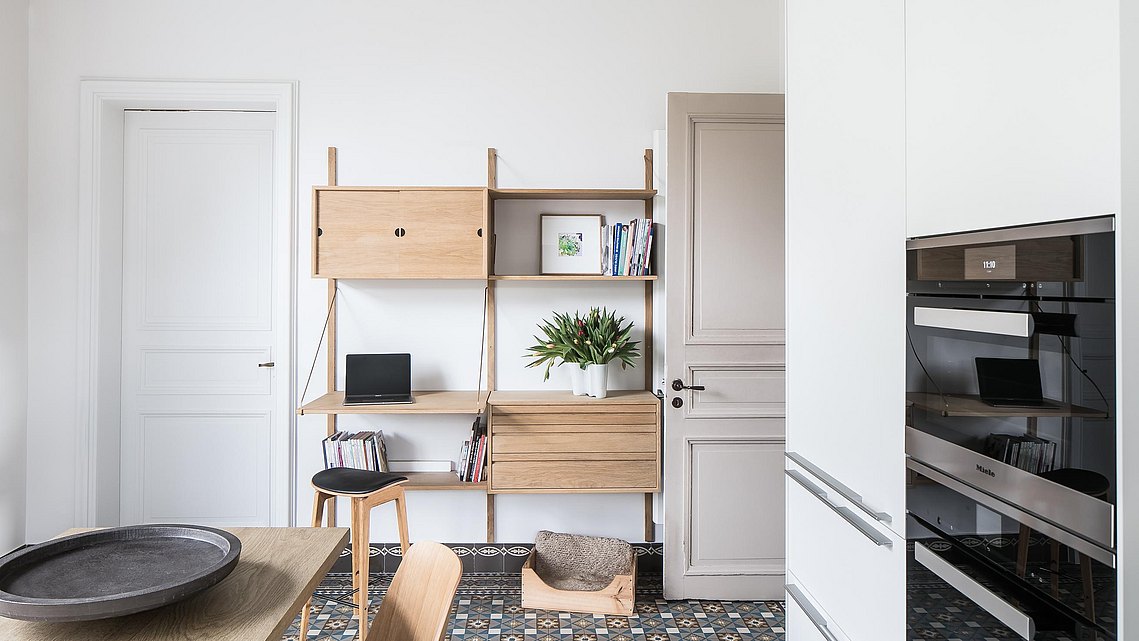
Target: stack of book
[626,248]
[472,458]
[361,450]
[1029,453]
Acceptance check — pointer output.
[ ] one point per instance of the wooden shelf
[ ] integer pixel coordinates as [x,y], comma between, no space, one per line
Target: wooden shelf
[565,397]
[572,194]
[577,277]
[971,405]
[438,481]
[426,402]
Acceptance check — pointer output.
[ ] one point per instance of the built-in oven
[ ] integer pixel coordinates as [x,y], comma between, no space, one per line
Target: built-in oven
[1010,433]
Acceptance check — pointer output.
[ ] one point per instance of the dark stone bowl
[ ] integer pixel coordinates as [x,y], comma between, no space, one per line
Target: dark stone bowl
[114,572]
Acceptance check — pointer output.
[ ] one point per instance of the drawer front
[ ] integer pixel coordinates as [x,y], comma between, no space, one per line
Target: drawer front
[826,553]
[563,476]
[557,443]
[356,237]
[442,237]
[571,419]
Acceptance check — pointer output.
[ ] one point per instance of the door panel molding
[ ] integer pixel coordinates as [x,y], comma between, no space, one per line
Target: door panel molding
[770,383]
[99,320]
[240,376]
[720,507]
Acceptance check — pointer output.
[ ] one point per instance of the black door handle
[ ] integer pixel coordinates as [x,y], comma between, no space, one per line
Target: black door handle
[678,385]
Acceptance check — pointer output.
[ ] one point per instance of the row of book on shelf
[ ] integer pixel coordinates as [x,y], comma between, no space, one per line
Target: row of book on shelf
[367,451]
[1029,453]
[472,456]
[626,248]
[360,450]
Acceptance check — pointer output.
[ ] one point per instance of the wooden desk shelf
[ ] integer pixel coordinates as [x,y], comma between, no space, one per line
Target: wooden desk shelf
[971,405]
[426,402]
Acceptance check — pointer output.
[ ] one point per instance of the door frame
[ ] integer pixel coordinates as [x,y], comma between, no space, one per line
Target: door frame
[99,258]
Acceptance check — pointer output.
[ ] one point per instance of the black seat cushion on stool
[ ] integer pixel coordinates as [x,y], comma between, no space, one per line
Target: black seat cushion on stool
[347,480]
[1085,481]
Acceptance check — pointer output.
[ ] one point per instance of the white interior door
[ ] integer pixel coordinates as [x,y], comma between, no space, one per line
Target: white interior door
[203,436]
[724,278]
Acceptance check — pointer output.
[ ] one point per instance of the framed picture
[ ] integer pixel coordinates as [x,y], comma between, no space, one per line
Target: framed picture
[571,244]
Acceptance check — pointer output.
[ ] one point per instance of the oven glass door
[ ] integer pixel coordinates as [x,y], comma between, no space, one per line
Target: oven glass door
[1004,571]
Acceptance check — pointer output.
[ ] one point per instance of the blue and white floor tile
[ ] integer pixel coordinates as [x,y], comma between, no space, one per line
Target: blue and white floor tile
[488,607]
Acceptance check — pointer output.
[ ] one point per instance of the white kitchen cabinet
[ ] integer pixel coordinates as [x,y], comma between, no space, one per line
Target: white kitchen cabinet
[846,246]
[1012,112]
[846,231]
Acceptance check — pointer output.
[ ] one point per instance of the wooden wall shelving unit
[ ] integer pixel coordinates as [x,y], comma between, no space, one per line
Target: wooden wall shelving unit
[364,240]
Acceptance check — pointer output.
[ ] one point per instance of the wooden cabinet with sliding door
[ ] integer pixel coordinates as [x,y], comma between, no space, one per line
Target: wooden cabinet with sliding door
[363,232]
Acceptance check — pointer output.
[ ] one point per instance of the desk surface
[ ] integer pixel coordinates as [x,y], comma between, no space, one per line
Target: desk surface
[279,568]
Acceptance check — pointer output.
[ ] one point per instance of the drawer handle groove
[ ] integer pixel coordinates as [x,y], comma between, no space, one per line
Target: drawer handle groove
[846,513]
[836,485]
[813,615]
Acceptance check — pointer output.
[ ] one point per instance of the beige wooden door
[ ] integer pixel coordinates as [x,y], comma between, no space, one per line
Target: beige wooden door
[724,281]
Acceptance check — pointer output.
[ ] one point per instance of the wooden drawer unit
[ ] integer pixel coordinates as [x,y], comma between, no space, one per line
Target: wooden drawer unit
[366,232]
[556,442]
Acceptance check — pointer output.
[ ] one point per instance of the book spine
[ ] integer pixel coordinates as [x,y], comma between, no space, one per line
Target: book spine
[649,250]
[481,459]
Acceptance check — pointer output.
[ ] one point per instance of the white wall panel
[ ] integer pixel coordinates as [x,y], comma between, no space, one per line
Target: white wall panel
[14,267]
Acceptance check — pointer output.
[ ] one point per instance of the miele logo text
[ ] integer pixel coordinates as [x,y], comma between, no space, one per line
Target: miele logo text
[985,470]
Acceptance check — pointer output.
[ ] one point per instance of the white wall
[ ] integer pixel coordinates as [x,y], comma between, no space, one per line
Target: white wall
[14,267]
[411,93]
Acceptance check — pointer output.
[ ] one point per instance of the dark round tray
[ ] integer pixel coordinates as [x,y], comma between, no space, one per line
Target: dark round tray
[112,572]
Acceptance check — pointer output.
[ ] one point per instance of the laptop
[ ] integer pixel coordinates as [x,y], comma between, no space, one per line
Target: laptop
[377,379]
[1010,382]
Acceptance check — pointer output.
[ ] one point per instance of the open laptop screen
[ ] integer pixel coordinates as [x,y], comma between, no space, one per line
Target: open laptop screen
[377,374]
[1009,379]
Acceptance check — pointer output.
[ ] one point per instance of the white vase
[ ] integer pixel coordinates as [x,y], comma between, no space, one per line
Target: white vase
[578,381]
[598,380]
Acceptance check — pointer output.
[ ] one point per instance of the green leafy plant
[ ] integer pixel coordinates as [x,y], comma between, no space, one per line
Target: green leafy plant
[597,338]
[563,339]
[609,338]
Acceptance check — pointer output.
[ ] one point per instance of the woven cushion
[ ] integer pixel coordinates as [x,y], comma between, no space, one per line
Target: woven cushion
[347,480]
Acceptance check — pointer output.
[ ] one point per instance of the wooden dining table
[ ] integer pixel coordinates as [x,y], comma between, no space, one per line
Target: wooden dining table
[278,570]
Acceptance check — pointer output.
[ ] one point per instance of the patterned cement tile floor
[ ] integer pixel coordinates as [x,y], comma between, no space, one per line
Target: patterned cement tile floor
[489,607]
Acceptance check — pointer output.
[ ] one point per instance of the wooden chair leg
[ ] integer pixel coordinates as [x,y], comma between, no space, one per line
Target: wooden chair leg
[401,521]
[1022,550]
[318,501]
[361,522]
[1055,567]
[1089,588]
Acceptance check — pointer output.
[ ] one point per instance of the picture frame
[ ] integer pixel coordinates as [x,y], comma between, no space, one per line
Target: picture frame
[570,244]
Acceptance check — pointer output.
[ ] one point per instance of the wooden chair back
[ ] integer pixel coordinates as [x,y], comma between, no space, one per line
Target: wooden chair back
[418,603]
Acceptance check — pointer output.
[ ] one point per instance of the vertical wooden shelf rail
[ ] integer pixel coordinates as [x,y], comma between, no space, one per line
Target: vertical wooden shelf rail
[331,344]
[650,528]
[491,183]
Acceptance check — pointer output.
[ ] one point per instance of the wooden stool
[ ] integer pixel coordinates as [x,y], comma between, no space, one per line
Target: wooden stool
[1091,483]
[366,489]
